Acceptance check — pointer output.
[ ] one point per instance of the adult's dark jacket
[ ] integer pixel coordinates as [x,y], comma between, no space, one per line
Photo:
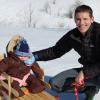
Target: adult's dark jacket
[88,47]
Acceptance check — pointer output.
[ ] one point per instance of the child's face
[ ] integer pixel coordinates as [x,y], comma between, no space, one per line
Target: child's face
[23,58]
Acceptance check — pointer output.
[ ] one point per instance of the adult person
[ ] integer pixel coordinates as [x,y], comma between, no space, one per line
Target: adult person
[85,40]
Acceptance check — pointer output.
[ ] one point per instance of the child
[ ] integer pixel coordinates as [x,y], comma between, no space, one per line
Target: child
[18,64]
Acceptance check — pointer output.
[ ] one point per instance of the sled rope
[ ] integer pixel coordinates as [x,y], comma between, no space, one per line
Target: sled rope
[76,87]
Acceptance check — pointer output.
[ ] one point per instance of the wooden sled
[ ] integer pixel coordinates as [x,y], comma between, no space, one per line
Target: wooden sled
[38,96]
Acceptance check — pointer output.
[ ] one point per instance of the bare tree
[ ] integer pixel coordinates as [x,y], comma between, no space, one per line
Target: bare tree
[73,7]
[28,15]
[54,2]
[47,6]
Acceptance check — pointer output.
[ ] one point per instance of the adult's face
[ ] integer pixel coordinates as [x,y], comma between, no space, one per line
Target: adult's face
[83,21]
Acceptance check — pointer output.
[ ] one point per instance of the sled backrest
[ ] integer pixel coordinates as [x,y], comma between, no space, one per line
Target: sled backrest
[38,96]
[8,87]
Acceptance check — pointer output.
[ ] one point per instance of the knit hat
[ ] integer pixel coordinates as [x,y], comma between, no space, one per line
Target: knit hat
[22,48]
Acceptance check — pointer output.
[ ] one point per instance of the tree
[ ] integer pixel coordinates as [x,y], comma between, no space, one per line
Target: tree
[73,7]
[28,16]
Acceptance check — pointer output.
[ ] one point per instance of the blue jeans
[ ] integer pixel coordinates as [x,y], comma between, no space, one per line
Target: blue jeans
[57,82]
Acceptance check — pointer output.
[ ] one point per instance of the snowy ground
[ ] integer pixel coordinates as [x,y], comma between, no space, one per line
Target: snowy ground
[40,39]
[50,15]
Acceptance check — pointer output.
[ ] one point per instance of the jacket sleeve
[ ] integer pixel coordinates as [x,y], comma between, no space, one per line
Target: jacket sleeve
[56,51]
[37,70]
[3,65]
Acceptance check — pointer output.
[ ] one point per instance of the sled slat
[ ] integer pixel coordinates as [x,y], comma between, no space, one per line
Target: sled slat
[6,86]
[46,96]
[39,96]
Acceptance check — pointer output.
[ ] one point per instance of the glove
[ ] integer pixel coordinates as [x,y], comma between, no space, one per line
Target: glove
[30,61]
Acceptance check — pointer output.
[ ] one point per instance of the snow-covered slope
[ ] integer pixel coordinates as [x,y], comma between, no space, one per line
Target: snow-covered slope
[44,13]
[40,39]
[48,15]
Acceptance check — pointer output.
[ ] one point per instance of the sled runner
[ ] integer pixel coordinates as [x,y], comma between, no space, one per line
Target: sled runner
[28,96]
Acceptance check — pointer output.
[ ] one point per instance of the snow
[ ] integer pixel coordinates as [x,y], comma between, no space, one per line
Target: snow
[40,39]
[50,22]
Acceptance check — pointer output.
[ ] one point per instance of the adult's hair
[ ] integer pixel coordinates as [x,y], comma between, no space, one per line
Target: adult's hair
[84,8]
